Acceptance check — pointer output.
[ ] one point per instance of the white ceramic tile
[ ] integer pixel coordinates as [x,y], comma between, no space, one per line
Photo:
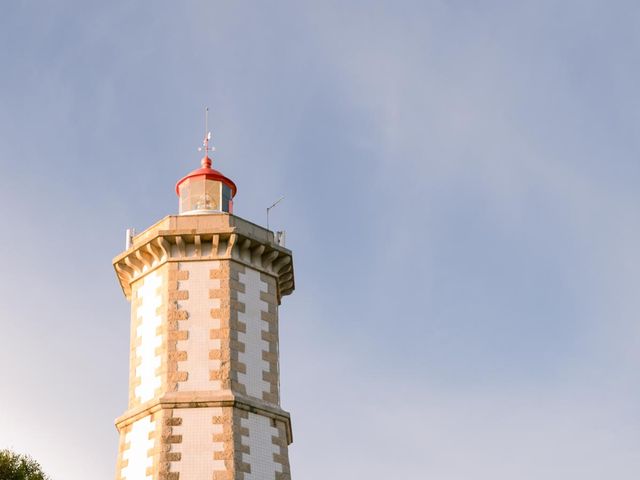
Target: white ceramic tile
[261,448]
[199,325]
[139,446]
[197,447]
[254,345]
[148,322]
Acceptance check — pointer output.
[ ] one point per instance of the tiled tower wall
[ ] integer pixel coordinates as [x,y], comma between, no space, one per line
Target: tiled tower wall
[140,442]
[201,328]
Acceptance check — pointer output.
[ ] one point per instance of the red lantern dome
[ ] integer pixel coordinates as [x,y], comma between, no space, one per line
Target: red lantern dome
[205,190]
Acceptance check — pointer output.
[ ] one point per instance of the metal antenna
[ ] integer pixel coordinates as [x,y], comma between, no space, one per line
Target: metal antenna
[269,209]
[207,135]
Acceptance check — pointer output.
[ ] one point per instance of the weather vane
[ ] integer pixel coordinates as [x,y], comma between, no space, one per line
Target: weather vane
[207,135]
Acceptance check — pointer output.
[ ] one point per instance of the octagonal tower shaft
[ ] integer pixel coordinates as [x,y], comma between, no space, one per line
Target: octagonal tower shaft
[204,399]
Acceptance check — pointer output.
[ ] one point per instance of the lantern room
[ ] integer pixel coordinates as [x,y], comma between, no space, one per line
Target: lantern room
[205,190]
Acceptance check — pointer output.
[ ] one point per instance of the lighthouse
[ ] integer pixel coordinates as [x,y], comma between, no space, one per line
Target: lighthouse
[204,383]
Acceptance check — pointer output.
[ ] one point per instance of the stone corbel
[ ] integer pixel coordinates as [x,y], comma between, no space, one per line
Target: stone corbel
[215,241]
[165,247]
[135,264]
[256,254]
[182,248]
[198,245]
[281,263]
[233,238]
[268,259]
[152,251]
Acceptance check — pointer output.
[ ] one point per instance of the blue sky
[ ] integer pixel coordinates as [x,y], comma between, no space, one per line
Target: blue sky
[461,199]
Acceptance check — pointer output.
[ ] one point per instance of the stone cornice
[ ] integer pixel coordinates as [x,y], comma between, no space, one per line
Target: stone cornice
[205,399]
[221,236]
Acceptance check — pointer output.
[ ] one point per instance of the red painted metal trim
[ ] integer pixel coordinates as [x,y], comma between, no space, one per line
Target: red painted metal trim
[210,174]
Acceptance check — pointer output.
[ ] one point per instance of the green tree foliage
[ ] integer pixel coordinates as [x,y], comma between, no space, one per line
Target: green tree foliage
[14,466]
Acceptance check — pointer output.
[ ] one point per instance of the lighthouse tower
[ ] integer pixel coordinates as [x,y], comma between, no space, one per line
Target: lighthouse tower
[204,397]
